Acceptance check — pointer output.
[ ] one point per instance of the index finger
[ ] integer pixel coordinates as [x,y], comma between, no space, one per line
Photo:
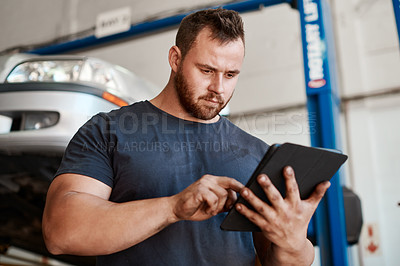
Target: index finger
[231,183]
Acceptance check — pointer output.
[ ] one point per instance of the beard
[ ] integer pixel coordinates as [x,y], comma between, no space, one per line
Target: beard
[192,105]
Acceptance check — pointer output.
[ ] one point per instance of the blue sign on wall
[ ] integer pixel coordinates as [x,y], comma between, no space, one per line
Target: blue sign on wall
[313,47]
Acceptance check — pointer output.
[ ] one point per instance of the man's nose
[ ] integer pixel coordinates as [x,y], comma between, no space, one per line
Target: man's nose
[217,83]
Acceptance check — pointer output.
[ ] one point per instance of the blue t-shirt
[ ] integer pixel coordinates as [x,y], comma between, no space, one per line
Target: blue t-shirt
[142,152]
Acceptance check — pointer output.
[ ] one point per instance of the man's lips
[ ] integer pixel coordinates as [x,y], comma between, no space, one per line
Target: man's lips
[215,100]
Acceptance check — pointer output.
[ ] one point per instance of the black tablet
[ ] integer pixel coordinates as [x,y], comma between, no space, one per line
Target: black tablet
[311,167]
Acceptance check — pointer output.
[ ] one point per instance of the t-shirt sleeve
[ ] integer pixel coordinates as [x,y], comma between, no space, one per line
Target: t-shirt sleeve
[89,152]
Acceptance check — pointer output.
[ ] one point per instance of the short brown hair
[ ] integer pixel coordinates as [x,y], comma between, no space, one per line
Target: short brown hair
[225,25]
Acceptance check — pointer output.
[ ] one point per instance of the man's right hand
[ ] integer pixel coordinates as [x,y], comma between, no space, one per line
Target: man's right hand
[71,223]
[205,198]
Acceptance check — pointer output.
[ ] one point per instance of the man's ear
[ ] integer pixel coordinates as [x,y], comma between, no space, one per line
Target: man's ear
[174,58]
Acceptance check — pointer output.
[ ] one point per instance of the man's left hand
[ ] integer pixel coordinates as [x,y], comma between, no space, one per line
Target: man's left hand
[286,220]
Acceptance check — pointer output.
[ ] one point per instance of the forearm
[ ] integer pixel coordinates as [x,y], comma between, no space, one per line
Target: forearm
[278,256]
[83,224]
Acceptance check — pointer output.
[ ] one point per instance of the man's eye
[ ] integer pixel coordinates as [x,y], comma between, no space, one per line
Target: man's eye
[230,75]
[207,71]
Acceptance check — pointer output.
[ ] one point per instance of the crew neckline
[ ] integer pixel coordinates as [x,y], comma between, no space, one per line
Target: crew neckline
[183,120]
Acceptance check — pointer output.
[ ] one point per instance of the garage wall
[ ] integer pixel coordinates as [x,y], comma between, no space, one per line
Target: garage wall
[373,134]
[368,54]
[269,101]
[268,78]
[368,46]
[36,22]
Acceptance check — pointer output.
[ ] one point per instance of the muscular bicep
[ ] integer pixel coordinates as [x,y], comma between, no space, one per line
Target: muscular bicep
[65,185]
[74,183]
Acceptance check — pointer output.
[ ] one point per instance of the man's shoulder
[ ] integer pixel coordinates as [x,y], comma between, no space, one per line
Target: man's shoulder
[237,131]
[105,121]
[238,135]
[132,109]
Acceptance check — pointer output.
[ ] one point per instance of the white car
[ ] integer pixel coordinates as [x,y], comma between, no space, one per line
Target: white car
[43,102]
[45,99]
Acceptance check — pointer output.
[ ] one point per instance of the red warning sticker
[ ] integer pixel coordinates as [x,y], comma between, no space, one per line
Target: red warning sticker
[317,83]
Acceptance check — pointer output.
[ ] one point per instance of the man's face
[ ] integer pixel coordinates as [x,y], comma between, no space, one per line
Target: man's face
[207,76]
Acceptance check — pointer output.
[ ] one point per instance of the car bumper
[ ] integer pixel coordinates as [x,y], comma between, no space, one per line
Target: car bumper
[74,110]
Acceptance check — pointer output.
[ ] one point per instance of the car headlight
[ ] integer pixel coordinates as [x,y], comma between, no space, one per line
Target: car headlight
[88,70]
[46,71]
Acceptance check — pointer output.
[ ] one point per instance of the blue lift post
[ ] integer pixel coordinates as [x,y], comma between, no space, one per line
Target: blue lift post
[328,224]
[396,7]
[323,105]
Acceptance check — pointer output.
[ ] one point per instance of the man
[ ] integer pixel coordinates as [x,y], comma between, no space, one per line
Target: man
[148,184]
